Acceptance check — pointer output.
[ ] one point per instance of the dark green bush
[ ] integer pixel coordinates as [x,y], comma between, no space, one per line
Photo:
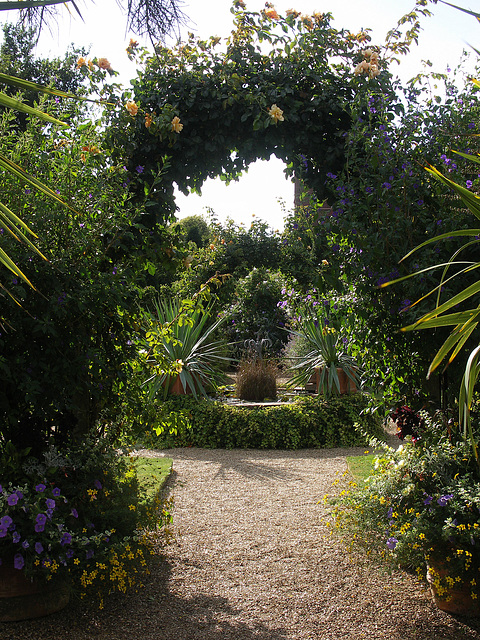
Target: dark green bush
[309,422]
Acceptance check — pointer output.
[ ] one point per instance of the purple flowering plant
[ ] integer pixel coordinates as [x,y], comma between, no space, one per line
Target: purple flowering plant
[79,514]
[41,531]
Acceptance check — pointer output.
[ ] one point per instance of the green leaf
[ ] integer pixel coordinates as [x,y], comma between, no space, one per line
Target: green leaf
[16,105]
[14,169]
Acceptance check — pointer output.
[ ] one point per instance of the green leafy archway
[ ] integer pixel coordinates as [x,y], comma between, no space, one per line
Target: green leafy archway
[287,86]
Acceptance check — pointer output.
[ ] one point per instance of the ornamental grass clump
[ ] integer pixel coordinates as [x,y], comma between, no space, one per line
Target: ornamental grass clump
[256,380]
[421,504]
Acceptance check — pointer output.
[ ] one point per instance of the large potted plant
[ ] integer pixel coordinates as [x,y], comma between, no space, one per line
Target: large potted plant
[326,359]
[183,348]
[421,509]
[71,520]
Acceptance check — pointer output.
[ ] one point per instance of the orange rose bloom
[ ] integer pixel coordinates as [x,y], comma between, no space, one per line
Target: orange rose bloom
[272,14]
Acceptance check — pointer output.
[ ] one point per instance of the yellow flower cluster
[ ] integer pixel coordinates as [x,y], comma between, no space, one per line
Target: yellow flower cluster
[368,66]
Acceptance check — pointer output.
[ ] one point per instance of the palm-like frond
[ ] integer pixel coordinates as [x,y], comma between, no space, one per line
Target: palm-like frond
[182,343]
[326,355]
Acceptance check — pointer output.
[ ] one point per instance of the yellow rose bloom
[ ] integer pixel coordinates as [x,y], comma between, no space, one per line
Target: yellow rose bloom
[177,126]
[148,120]
[81,62]
[276,113]
[131,107]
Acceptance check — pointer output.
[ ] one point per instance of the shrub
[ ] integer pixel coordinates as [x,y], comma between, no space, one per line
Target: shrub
[309,422]
[257,380]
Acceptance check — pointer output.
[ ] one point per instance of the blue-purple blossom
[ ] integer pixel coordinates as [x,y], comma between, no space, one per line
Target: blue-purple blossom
[66,539]
[16,537]
[6,521]
[139,169]
[74,513]
[50,503]
[469,184]
[40,488]
[427,500]
[41,518]
[442,501]
[392,543]
[12,499]
[25,544]
[56,492]
[38,547]
[18,561]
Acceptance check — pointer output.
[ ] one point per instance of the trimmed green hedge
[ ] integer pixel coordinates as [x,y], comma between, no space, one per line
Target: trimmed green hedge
[309,422]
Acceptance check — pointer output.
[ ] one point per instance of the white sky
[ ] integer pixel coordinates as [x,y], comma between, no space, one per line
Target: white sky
[445,36]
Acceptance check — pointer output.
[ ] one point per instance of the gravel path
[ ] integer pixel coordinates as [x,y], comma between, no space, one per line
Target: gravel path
[253,560]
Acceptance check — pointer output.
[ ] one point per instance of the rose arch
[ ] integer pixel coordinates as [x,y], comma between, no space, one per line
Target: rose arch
[287,86]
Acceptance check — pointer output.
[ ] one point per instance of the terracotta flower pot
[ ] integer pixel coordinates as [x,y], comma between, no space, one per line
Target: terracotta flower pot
[22,598]
[346,384]
[457,598]
[177,388]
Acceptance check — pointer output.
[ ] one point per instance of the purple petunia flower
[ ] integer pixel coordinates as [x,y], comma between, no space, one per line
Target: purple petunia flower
[39,528]
[442,501]
[139,169]
[25,544]
[41,518]
[66,539]
[74,513]
[38,547]
[12,499]
[5,522]
[427,500]
[50,503]
[40,488]
[18,561]
[16,537]
[3,532]
[56,492]
[392,543]
[469,184]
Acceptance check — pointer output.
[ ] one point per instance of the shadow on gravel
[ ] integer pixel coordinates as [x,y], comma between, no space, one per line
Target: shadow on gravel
[251,463]
[154,613]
